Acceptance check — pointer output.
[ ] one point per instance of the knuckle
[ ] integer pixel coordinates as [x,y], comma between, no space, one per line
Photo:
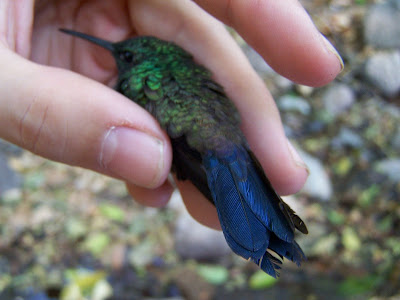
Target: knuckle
[35,128]
[31,124]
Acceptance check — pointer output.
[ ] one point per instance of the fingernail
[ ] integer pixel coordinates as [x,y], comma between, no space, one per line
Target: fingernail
[332,49]
[133,155]
[296,158]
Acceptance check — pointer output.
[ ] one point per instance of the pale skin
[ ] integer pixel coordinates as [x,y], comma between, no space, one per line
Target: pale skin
[78,119]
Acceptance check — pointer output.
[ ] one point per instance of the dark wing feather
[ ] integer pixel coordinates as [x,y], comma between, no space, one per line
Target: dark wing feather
[187,164]
[294,220]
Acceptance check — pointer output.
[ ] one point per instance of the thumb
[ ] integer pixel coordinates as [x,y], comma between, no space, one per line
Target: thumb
[69,118]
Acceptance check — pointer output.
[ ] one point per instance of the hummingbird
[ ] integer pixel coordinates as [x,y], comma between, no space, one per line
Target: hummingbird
[209,148]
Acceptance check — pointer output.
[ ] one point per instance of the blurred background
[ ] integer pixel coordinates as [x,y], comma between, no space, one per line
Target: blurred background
[68,233]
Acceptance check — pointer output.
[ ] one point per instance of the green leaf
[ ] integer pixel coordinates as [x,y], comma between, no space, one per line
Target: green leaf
[112,212]
[386,224]
[213,274]
[394,245]
[261,280]
[358,285]
[96,243]
[142,254]
[11,197]
[336,217]
[75,228]
[34,181]
[102,290]
[5,280]
[367,196]
[325,245]
[84,279]
[84,284]
[71,292]
[343,166]
[350,239]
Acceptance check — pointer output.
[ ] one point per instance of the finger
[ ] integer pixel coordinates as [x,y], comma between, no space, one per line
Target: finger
[65,117]
[206,38]
[283,33]
[157,197]
[198,206]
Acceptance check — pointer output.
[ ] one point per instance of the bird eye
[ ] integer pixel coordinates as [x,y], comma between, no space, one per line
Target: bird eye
[124,85]
[127,56]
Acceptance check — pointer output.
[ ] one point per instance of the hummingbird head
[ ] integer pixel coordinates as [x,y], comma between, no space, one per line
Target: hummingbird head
[132,52]
[146,50]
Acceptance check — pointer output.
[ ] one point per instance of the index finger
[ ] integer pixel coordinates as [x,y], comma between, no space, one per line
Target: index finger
[284,34]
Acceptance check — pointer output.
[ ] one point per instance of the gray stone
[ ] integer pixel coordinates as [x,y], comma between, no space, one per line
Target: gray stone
[8,178]
[265,71]
[347,137]
[257,61]
[382,25]
[9,149]
[176,202]
[318,183]
[389,167]
[318,241]
[283,83]
[396,140]
[293,103]
[338,98]
[295,204]
[383,70]
[193,240]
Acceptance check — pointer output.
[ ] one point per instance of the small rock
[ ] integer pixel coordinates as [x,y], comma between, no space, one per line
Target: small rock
[390,168]
[294,204]
[265,71]
[347,138]
[383,70]
[309,243]
[316,126]
[283,83]
[304,90]
[193,240]
[9,149]
[293,103]
[192,285]
[257,61]
[325,245]
[102,290]
[396,140]
[381,25]
[338,98]
[318,183]
[11,196]
[8,178]
[175,202]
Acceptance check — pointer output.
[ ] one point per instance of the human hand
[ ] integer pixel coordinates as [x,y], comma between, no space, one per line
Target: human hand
[70,118]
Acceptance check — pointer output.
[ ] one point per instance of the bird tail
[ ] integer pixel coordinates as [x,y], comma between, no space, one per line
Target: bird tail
[252,216]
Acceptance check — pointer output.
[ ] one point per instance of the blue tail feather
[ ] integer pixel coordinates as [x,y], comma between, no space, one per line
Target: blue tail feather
[243,227]
[267,212]
[291,251]
[270,264]
[251,219]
